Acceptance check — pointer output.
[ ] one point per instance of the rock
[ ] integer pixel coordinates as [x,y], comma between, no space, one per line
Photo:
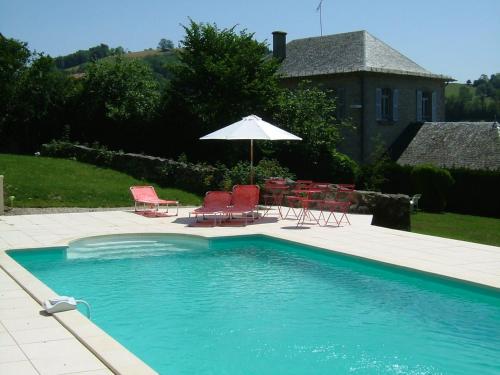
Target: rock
[388,210]
[392,211]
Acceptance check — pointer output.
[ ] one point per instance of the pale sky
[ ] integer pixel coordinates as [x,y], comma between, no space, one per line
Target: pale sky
[460,38]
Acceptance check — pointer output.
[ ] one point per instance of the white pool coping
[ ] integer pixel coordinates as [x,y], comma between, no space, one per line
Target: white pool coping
[70,343]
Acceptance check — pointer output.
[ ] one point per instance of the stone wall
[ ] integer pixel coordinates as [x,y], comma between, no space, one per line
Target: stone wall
[194,177]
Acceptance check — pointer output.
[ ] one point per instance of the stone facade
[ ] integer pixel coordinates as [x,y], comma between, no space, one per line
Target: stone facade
[379,90]
[357,99]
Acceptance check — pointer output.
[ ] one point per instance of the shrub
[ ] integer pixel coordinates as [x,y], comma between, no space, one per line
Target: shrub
[266,168]
[434,184]
[387,177]
[343,169]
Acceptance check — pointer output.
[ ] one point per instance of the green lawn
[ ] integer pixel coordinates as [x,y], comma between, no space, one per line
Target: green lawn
[49,182]
[460,227]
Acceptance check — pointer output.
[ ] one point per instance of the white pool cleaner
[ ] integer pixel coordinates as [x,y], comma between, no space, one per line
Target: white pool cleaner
[63,303]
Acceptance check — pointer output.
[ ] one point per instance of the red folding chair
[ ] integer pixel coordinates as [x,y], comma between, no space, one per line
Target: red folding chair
[274,192]
[339,205]
[294,206]
[307,213]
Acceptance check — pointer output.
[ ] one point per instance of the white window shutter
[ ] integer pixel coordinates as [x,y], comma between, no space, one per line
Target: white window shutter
[378,104]
[434,107]
[419,105]
[395,105]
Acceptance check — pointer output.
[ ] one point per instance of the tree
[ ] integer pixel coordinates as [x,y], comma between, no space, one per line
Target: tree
[120,90]
[33,100]
[165,45]
[222,76]
[14,57]
[308,112]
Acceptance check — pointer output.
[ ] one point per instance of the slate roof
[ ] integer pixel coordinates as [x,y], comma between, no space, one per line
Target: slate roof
[357,51]
[473,145]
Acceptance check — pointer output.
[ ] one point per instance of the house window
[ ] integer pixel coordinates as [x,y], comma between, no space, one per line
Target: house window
[426,106]
[386,113]
[387,104]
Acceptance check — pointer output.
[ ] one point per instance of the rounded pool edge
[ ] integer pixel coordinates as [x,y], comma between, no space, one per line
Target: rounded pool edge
[110,352]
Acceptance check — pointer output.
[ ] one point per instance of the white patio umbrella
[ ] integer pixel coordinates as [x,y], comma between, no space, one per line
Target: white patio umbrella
[252,127]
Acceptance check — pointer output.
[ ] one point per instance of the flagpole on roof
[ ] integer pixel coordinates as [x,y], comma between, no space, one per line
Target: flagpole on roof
[320,18]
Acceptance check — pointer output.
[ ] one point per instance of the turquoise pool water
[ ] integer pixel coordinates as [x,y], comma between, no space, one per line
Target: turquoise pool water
[256,305]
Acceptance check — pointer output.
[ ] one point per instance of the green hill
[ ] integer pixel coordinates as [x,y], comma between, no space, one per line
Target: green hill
[49,182]
[157,60]
[453,89]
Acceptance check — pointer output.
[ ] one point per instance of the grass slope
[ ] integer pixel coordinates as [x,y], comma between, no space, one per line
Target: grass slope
[48,182]
[459,227]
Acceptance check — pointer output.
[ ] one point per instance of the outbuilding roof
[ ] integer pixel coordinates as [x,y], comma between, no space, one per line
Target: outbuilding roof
[473,145]
[357,51]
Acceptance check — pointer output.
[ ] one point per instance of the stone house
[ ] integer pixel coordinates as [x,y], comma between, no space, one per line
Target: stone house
[381,91]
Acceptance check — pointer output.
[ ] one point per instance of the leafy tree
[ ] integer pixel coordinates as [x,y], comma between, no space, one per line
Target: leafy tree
[118,100]
[120,90]
[36,95]
[118,51]
[222,76]
[165,44]
[14,57]
[309,112]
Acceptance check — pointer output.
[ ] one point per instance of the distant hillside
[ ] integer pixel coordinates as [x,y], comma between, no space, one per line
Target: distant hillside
[86,55]
[479,101]
[157,60]
[453,89]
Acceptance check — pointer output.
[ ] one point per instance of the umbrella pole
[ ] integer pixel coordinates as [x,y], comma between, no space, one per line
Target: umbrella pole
[251,161]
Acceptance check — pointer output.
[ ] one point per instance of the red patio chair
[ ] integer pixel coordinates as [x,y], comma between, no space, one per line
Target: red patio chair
[245,199]
[214,203]
[339,205]
[146,195]
[303,184]
[274,192]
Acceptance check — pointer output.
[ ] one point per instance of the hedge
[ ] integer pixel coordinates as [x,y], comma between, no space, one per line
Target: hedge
[474,192]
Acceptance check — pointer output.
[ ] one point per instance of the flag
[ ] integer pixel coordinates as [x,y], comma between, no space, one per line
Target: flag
[319,6]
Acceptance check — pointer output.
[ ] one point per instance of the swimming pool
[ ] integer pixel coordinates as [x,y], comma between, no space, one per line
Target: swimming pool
[257,305]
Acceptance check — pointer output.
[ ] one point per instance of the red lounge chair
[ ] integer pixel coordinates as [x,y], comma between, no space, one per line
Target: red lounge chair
[244,201]
[146,195]
[215,203]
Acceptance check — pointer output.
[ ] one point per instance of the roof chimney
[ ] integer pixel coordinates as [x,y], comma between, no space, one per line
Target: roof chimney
[279,45]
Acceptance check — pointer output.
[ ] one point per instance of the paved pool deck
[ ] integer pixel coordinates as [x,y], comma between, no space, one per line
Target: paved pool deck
[68,343]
